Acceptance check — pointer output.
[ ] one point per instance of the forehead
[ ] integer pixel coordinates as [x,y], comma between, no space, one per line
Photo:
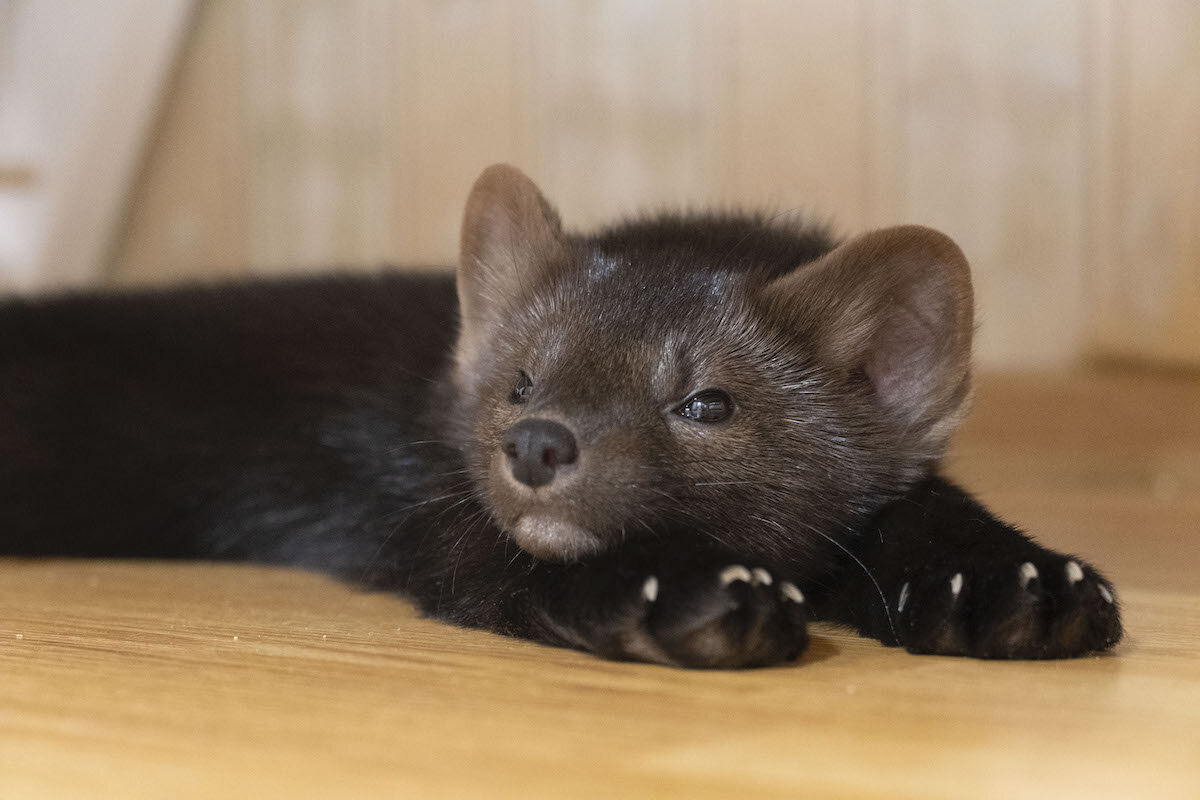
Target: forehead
[639,325]
[615,300]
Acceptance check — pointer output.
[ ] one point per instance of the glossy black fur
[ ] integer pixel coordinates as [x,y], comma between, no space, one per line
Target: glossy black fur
[315,423]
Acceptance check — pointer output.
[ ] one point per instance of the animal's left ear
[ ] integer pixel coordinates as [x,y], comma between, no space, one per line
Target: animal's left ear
[512,240]
[511,237]
[896,306]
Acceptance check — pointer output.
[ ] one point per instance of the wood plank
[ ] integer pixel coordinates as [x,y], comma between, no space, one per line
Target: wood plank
[1146,114]
[1053,140]
[151,680]
[885,100]
[217,681]
[994,121]
[189,214]
[311,99]
[469,85]
[626,115]
[799,108]
[1106,464]
[82,87]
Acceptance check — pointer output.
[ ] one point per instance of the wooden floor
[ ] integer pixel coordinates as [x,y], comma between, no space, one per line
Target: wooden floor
[149,680]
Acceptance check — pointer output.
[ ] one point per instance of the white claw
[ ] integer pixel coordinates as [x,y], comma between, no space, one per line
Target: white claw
[903,598]
[956,584]
[650,589]
[790,592]
[1074,573]
[735,572]
[761,576]
[1028,573]
[1105,593]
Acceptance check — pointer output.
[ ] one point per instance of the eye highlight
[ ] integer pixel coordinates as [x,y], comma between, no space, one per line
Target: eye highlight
[523,389]
[708,405]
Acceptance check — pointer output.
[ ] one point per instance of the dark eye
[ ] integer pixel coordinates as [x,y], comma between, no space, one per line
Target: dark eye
[710,405]
[522,390]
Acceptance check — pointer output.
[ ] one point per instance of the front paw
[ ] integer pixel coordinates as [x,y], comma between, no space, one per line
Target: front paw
[1050,606]
[718,617]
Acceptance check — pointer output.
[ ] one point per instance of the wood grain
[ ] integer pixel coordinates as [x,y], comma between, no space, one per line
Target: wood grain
[1054,139]
[992,122]
[190,215]
[152,680]
[799,140]
[79,88]
[1144,181]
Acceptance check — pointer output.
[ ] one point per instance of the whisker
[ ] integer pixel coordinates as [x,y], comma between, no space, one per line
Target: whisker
[374,559]
[882,598]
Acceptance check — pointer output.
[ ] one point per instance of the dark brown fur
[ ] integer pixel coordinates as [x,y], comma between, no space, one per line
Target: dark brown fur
[331,424]
[849,374]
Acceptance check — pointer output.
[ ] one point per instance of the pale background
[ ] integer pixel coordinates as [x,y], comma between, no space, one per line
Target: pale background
[148,141]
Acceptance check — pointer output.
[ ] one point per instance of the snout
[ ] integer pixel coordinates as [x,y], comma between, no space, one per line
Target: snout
[537,450]
[563,492]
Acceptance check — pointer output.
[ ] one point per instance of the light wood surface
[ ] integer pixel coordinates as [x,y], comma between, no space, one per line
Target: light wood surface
[177,680]
[1053,139]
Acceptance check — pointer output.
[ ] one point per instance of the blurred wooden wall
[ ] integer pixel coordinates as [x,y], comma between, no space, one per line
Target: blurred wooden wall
[1057,140]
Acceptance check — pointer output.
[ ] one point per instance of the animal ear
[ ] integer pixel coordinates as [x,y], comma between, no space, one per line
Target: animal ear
[896,306]
[511,237]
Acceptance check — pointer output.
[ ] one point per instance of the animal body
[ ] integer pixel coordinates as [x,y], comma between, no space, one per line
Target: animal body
[673,440]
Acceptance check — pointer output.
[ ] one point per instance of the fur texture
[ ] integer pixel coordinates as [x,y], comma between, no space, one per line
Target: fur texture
[671,440]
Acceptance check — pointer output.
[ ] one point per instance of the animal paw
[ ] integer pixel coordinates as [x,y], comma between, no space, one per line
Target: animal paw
[721,617]
[1050,606]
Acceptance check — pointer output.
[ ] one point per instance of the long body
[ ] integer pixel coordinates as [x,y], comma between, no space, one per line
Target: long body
[345,424]
[247,421]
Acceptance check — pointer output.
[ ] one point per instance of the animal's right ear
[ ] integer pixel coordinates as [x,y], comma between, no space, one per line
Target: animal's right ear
[511,239]
[894,306]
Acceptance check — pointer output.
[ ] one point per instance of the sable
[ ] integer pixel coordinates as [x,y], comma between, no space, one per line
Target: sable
[671,440]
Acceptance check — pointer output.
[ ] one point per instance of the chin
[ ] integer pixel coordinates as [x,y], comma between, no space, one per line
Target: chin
[552,538]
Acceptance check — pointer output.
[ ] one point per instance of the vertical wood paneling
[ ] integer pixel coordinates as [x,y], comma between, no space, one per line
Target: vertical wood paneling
[994,123]
[798,109]
[1055,140]
[884,97]
[314,100]
[190,213]
[625,118]
[1147,116]
[1100,148]
[465,75]
[78,93]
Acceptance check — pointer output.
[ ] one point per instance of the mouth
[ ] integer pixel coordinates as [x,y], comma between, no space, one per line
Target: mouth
[553,538]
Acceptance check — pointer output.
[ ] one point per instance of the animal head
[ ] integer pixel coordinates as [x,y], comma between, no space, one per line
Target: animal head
[726,376]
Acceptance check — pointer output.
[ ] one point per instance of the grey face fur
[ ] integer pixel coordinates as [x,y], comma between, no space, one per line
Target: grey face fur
[846,374]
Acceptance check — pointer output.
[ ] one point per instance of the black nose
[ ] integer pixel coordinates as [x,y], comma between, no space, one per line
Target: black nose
[536,448]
